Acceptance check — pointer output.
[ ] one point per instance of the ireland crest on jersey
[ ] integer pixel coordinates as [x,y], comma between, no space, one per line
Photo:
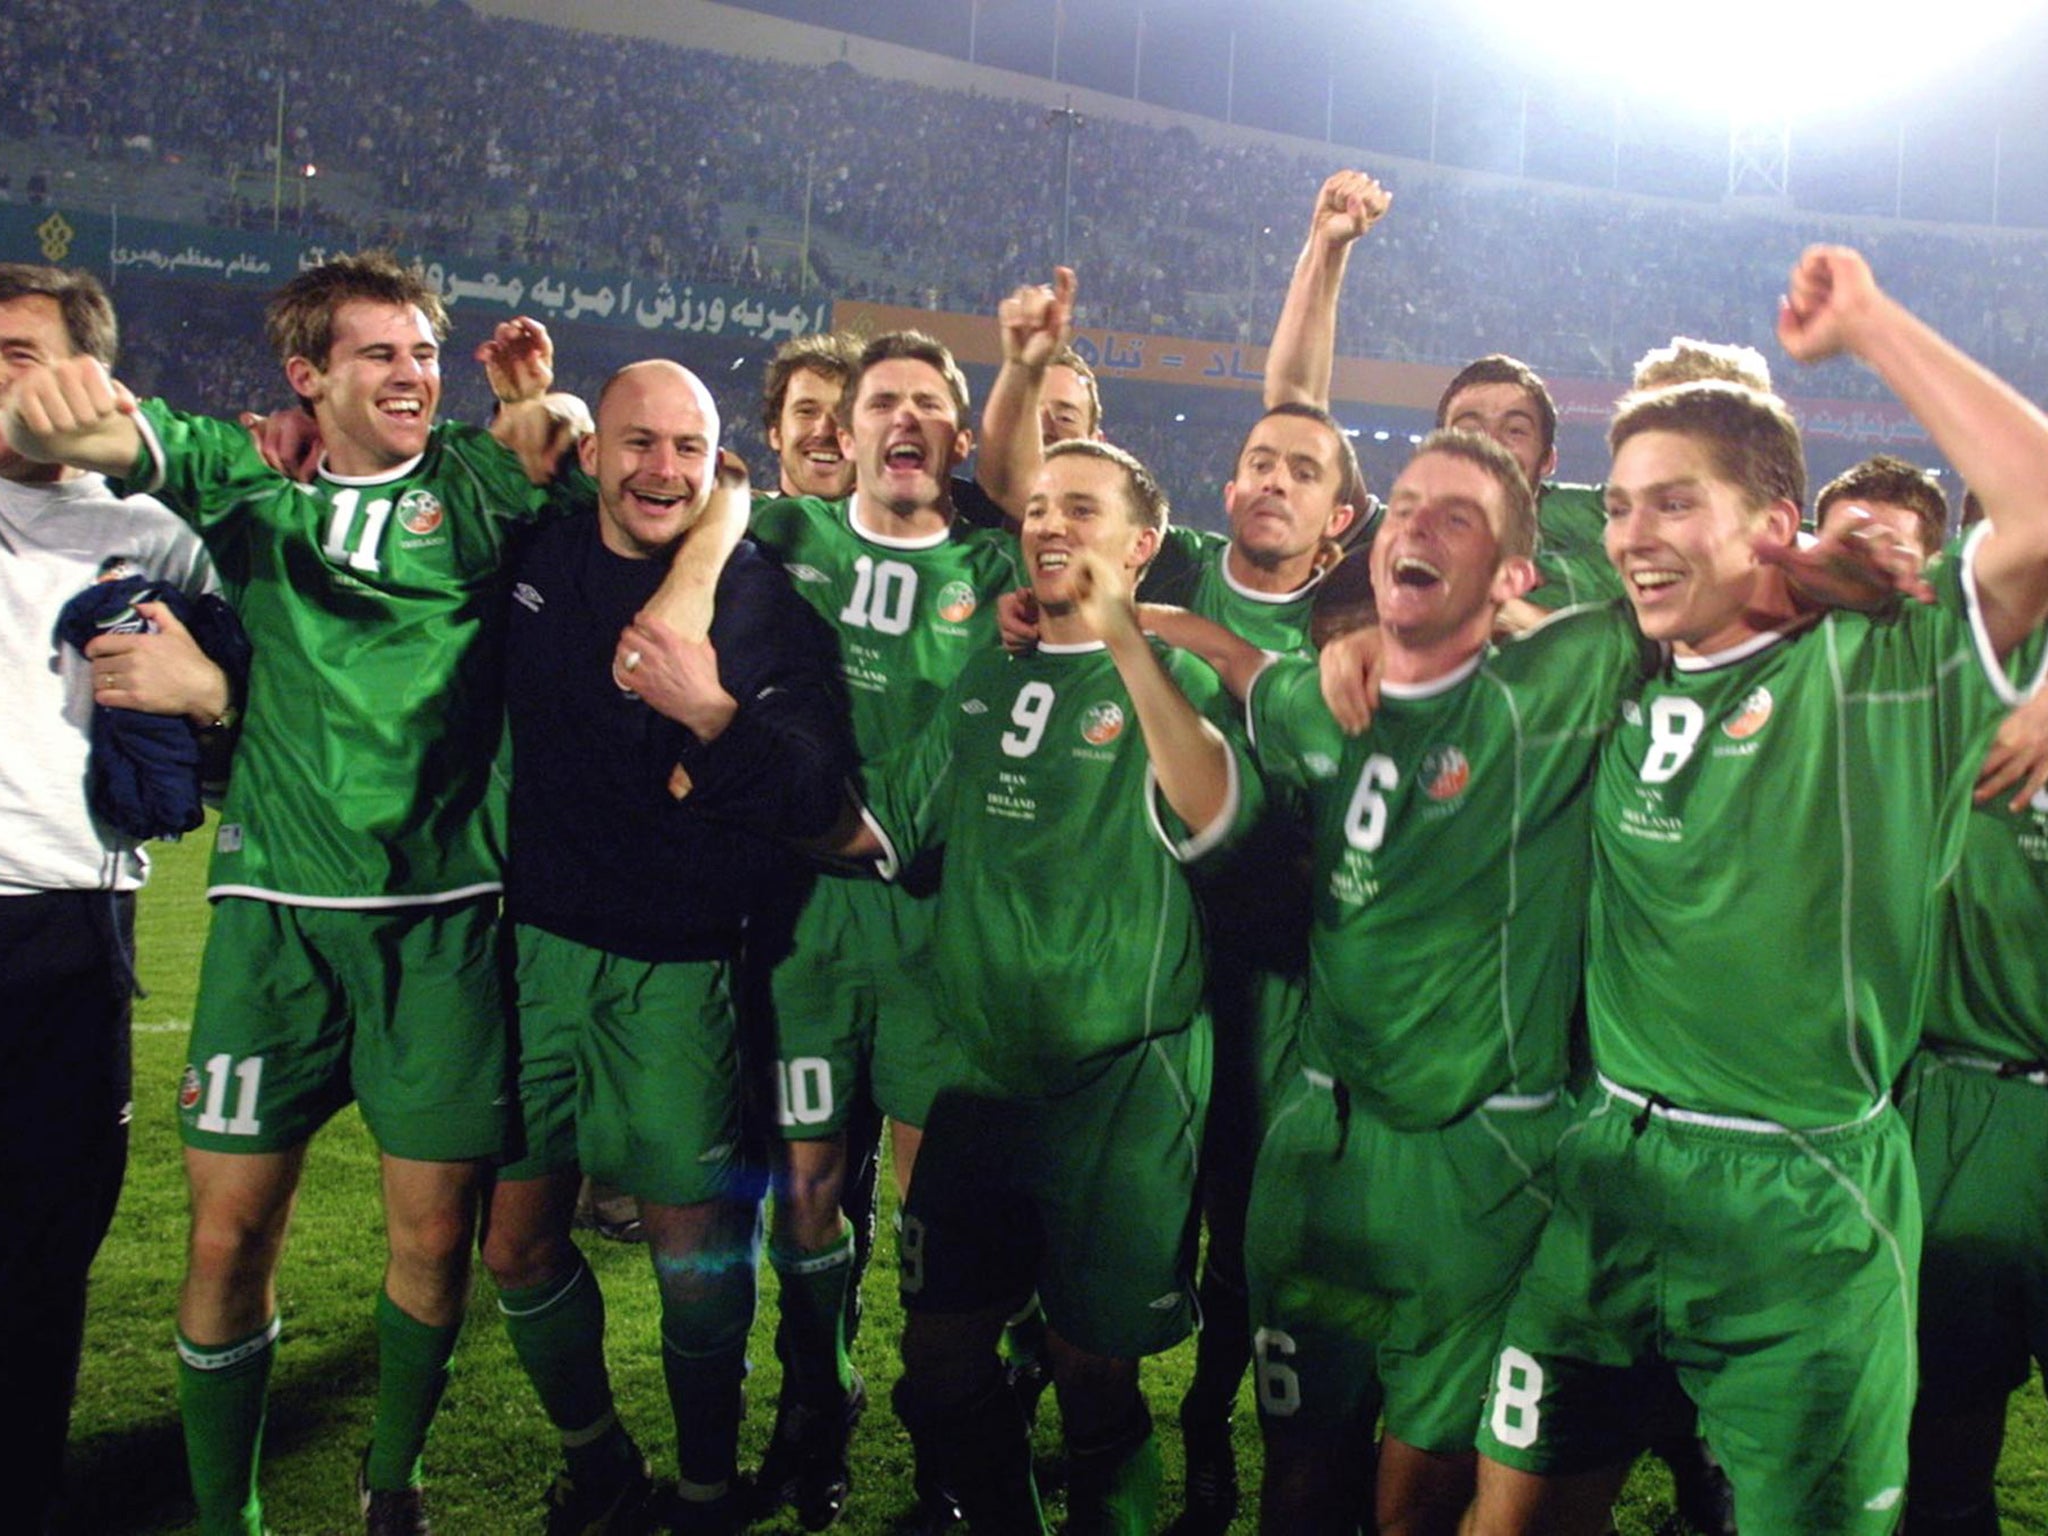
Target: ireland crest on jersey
[1102,724]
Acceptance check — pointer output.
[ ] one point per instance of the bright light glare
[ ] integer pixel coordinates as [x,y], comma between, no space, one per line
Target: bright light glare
[1793,58]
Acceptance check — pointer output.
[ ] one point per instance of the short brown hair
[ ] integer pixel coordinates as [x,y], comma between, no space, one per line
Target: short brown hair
[87,312]
[1499,368]
[1749,437]
[829,354]
[1149,505]
[917,346]
[299,319]
[1352,490]
[1687,360]
[1883,477]
[1518,529]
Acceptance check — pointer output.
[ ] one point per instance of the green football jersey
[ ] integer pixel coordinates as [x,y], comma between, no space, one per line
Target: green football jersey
[1571,548]
[1451,864]
[908,612]
[1066,928]
[1768,826]
[1990,991]
[376,609]
[1191,571]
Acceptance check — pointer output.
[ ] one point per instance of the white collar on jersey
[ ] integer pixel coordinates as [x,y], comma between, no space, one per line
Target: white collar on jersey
[1252,595]
[1734,653]
[386,478]
[865,530]
[1436,685]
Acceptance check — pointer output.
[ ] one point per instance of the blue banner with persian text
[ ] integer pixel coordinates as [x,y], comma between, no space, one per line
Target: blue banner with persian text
[111,246]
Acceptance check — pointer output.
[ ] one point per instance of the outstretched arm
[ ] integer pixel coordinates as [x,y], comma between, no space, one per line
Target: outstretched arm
[1995,439]
[1304,350]
[1189,757]
[1035,324]
[1236,660]
[72,411]
[683,601]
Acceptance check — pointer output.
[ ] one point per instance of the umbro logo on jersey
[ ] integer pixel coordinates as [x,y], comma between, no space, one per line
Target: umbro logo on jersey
[1320,765]
[1167,1303]
[527,596]
[1885,1499]
[1102,724]
[1754,715]
[801,572]
[1445,773]
[957,602]
[973,707]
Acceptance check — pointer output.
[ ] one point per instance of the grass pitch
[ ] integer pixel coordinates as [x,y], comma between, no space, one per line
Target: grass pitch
[492,1452]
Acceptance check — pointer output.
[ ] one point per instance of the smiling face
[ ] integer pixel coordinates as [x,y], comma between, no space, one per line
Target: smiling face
[1439,573]
[1079,502]
[376,392]
[905,436]
[1681,536]
[1282,502]
[652,457]
[806,438]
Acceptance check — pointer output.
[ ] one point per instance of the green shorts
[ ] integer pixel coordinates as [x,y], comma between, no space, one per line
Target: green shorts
[1771,1270]
[1089,1197]
[1382,1262]
[303,1008]
[629,1070]
[1981,1144]
[850,994]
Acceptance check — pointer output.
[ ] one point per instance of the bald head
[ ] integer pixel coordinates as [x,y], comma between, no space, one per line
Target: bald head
[653,455]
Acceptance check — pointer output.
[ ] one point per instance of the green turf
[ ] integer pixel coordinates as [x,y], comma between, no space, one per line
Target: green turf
[492,1452]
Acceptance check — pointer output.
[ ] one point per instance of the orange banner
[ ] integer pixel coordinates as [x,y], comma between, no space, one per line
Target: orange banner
[1155,359]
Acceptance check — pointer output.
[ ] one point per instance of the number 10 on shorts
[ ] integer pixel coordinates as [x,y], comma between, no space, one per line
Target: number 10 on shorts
[1517,1389]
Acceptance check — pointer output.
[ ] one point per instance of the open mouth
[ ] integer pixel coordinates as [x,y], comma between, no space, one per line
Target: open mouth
[406,408]
[905,456]
[1653,581]
[1409,571]
[657,501]
[1051,560]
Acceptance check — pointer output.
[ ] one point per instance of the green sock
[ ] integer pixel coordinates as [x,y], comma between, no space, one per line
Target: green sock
[557,1331]
[1024,1335]
[221,1392]
[811,1335]
[412,1373]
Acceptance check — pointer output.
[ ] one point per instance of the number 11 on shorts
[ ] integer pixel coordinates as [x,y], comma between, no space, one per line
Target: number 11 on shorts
[220,1071]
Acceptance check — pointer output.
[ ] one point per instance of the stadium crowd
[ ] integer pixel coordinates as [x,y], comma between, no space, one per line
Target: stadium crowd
[624,154]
